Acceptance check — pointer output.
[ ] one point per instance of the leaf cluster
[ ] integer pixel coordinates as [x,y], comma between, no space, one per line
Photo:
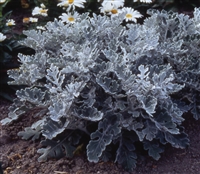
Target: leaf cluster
[115,85]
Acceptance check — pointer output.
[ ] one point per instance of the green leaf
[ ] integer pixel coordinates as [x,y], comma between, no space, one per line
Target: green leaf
[179,141]
[126,155]
[154,149]
[102,137]
[150,130]
[195,106]
[57,148]
[51,128]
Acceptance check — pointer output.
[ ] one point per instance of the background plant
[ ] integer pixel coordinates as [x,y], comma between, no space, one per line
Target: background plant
[9,48]
[2,5]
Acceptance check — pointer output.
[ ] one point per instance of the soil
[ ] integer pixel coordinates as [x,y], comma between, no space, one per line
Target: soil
[19,156]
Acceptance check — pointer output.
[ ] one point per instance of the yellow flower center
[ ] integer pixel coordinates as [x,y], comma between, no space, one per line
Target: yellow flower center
[70,1]
[9,24]
[25,20]
[114,11]
[129,16]
[71,19]
[43,11]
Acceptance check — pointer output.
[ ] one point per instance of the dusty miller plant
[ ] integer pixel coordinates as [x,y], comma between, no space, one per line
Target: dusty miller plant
[120,86]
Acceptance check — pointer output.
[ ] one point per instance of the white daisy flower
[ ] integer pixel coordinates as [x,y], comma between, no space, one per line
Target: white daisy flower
[63,3]
[110,10]
[39,11]
[33,19]
[2,1]
[2,37]
[145,1]
[106,8]
[131,14]
[10,22]
[71,4]
[42,5]
[41,28]
[116,3]
[69,18]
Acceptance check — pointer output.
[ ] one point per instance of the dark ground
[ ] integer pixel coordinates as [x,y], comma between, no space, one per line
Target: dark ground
[20,156]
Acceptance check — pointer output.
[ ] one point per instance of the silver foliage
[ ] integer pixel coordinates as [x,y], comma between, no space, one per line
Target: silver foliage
[121,78]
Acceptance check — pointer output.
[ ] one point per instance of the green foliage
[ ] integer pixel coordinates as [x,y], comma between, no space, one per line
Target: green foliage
[176,5]
[2,5]
[7,48]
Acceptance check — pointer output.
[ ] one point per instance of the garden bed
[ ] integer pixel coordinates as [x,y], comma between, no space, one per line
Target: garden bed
[20,156]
